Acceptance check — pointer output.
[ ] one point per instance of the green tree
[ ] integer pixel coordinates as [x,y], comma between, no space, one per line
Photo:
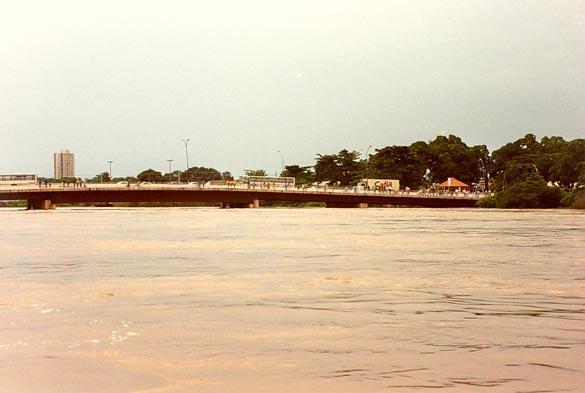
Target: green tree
[227,175]
[450,157]
[303,174]
[351,168]
[553,158]
[577,199]
[552,149]
[150,175]
[172,177]
[529,193]
[525,150]
[326,168]
[568,166]
[519,172]
[581,178]
[405,163]
[201,174]
[103,177]
[344,168]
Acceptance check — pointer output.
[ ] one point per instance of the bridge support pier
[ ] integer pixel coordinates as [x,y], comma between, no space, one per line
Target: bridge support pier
[346,205]
[241,205]
[39,204]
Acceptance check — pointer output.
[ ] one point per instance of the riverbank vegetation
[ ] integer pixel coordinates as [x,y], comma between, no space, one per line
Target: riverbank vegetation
[526,173]
[529,173]
[574,199]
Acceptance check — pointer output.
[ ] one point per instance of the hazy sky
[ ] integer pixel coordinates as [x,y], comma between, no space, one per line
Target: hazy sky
[126,80]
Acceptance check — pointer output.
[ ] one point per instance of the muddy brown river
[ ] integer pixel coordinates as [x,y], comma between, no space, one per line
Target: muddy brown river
[184,300]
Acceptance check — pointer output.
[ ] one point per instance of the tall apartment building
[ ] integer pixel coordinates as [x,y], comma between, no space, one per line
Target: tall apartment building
[63,164]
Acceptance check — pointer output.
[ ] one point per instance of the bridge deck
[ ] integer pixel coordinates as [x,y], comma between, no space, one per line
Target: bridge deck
[171,193]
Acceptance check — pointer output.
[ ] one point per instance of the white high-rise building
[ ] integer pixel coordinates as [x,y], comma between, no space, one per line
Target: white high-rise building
[63,164]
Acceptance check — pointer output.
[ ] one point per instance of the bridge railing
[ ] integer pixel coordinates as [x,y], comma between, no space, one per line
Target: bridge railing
[311,190]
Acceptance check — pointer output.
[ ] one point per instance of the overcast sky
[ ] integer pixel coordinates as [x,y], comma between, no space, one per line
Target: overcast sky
[126,80]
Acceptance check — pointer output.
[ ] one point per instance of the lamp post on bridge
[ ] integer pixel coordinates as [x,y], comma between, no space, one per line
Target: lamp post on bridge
[367,154]
[110,172]
[186,142]
[281,161]
[170,161]
[367,161]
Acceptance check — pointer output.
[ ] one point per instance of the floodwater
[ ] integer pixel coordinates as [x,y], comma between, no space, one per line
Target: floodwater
[184,300]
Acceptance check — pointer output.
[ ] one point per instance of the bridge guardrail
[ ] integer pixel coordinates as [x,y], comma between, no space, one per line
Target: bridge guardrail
[333,191]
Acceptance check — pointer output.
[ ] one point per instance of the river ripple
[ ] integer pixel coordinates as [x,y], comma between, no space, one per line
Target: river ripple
[292,300]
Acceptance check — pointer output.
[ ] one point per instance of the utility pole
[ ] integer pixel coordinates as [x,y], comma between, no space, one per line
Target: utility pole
[110,172]
[170,170]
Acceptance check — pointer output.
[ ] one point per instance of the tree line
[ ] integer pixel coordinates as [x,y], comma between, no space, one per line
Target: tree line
[526,173]
[520,172]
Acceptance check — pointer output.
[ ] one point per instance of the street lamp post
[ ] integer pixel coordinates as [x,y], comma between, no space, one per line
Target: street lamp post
[170,170]
[485,174]
[367,160]
[281,161]
[368,153]
[110,172]
[186,142]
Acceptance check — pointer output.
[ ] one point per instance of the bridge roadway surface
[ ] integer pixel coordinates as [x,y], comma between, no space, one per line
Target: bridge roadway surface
[46,198]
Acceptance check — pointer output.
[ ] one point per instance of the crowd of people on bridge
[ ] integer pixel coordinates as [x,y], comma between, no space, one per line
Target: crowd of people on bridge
[75,183]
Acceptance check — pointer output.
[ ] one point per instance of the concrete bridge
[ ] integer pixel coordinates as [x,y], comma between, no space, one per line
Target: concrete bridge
[48,198]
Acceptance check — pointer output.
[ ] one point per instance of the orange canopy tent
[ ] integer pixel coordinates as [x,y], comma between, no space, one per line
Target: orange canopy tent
[453,184]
